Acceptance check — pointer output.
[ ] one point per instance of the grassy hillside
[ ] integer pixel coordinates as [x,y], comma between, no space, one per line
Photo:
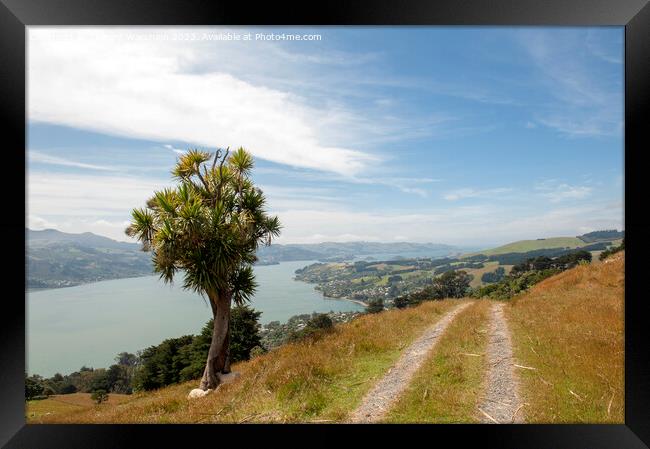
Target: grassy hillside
[569,328]
[523,246]
[302,382]
[567,335]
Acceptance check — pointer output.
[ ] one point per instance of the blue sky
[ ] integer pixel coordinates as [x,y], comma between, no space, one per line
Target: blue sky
[461,135]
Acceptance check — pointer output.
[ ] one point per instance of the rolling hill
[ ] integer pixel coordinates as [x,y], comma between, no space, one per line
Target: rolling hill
[567,337]
[59,259]
[523,246]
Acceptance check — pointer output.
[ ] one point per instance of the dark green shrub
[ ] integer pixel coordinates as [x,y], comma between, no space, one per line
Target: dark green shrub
[33,387]
[99,396]
[375,306]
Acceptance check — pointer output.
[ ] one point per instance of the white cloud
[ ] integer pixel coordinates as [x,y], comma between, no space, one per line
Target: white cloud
[459,194]
[102,204]
[113,229]
[62,194]
[36,156]
[585,102]
[459,225]
[565,221]
[146,89]
[38,223]
[175,150]
[557,192]
[405,184]
[338,238]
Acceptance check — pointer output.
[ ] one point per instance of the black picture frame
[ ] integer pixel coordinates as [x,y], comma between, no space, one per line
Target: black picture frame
[634,15]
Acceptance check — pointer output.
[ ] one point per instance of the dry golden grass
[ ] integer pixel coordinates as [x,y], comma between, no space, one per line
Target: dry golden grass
[62,404]
[311,381]
[446,388]
[570,329]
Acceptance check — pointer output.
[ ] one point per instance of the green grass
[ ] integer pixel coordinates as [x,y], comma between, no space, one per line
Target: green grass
[310,381]
[446,388]
[523,246]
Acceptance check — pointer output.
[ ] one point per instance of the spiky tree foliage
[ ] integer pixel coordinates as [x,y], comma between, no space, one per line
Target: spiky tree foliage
[208,228]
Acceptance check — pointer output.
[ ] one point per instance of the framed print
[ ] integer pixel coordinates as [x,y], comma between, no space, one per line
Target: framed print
[363,218]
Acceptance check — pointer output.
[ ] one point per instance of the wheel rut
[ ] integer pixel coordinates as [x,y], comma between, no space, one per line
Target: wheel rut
[501,403]
[379,399]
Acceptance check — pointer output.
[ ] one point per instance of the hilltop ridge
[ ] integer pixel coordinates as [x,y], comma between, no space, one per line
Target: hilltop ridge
[522,246]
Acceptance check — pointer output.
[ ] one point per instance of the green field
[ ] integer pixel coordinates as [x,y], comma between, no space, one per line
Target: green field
[523,246]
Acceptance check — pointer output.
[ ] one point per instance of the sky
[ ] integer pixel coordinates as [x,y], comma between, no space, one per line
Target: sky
[469,136]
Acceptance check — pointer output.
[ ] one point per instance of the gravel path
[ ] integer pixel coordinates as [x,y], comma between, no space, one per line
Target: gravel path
[379,399]
[501,403]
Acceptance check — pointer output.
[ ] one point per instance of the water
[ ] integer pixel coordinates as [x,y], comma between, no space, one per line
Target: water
[90,324]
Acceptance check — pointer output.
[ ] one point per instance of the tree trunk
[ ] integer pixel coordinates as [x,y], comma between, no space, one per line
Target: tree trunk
[218,360]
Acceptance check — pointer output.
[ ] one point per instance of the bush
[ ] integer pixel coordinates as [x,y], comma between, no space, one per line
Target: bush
[182,359]
[608,252]
[402,302]
[100,381]
[33,387]
[513,284]
[48,391]
[452,284]
[541,263]
[257,351]
[244,332]
[162,364]
[320,321]
[493,276]
[375,306]
[68,389]
[318,325]
[99,396]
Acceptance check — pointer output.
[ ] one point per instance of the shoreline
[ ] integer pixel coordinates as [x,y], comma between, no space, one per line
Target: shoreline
[349,299]
[330,298]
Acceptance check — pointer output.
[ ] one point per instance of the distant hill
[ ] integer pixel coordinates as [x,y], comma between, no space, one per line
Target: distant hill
[329,251]
[523,246]
[599,236]
[286,253]
[59,259]
[52,236]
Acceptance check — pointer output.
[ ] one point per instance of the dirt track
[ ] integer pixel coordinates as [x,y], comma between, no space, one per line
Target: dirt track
[379,399]
[501,403]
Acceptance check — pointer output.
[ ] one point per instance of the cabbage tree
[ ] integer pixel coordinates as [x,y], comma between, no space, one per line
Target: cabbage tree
[208,229]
